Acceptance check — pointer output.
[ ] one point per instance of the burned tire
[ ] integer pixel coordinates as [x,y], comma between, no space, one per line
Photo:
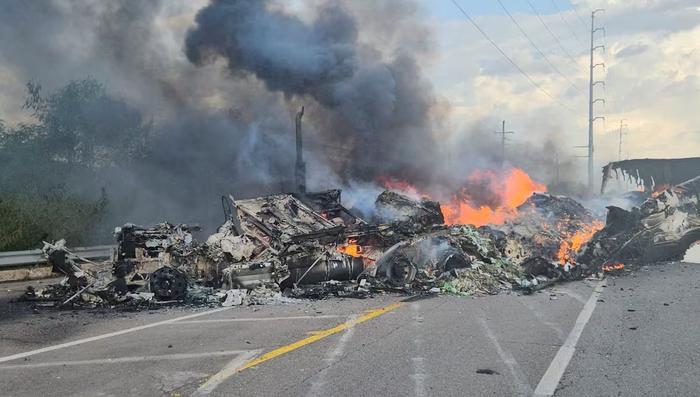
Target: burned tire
[400,271]
[168,283]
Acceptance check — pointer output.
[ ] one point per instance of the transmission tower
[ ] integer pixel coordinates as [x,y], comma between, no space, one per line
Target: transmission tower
[591,100]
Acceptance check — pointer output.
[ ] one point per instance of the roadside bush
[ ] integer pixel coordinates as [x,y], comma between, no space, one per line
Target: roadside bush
[27,220]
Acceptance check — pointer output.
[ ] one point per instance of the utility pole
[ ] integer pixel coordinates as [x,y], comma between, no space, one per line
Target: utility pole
[300,168]
[591,100]
[619,147]
[503,133]
[556,160]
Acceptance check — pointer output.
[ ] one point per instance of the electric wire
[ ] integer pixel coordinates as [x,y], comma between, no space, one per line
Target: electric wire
[551,33]
[578,15]
[551,65]
[509,59]
[571,29]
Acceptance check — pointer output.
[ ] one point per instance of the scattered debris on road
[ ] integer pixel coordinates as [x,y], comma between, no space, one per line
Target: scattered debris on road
[283,247]
[308,245]
[487,371]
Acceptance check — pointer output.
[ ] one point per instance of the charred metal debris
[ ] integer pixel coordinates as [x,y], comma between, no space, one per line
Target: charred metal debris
[661,229]
[285,246]
[652,174]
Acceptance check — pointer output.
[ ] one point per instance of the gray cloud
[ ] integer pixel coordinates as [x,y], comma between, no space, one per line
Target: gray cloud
[632,50]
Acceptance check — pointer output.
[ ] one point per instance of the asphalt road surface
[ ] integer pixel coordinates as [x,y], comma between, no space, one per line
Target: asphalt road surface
[633,335]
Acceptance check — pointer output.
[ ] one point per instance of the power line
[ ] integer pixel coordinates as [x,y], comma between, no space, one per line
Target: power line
[520,28]
[512,62]
[571,29]
[588,5]
[556,39]
[573,6]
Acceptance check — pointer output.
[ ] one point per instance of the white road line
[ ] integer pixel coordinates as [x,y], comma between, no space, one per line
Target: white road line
[418,375]
[108,335]
[243,319]
[120,360]
[523,387]
[331,358]
[225,373]
[549,382]
[540,317]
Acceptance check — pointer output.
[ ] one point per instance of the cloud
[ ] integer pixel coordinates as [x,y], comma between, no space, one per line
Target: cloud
[653,77]
[631,50]
[449,81]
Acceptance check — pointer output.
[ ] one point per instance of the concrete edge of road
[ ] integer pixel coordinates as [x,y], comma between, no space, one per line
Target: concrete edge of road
[31,264]
[11,274]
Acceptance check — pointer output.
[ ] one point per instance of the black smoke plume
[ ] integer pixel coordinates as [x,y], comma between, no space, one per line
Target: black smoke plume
[375,106]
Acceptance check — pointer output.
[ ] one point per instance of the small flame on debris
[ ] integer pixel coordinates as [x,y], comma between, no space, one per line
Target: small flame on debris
[351,248]
[573,243]
[613,267]
[659,189]
[402,186]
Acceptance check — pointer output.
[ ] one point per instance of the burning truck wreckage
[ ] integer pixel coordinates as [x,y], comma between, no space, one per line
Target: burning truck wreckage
[309,245]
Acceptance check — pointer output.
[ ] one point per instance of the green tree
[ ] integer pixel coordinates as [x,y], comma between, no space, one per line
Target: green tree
[82,125]
[79,133]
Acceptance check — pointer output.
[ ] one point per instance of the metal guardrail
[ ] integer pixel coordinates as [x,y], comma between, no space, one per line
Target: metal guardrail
[35,257]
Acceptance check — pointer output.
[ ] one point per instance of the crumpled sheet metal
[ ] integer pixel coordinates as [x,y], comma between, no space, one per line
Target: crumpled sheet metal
[661,229]
[226,245]
[281,219]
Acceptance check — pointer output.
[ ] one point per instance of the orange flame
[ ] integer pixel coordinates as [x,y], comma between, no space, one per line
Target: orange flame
[659,189]
[401,186]
[351,248]
[613,267]
[572,244]
[511,189]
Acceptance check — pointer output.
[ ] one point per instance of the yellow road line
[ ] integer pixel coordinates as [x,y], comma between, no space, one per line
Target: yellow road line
[318,336]
[233,367]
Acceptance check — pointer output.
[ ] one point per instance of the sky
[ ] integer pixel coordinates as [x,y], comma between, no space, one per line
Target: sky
[652,76]
[652,73]
[445,9]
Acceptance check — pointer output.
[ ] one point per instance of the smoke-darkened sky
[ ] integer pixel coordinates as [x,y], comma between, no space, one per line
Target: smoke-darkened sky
[418,98]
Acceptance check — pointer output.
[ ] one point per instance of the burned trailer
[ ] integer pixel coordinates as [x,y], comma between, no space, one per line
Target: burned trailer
[164,258]
[661,229]
[149,248]
[652,174]
[328,204]
[289,243]
[279,221]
